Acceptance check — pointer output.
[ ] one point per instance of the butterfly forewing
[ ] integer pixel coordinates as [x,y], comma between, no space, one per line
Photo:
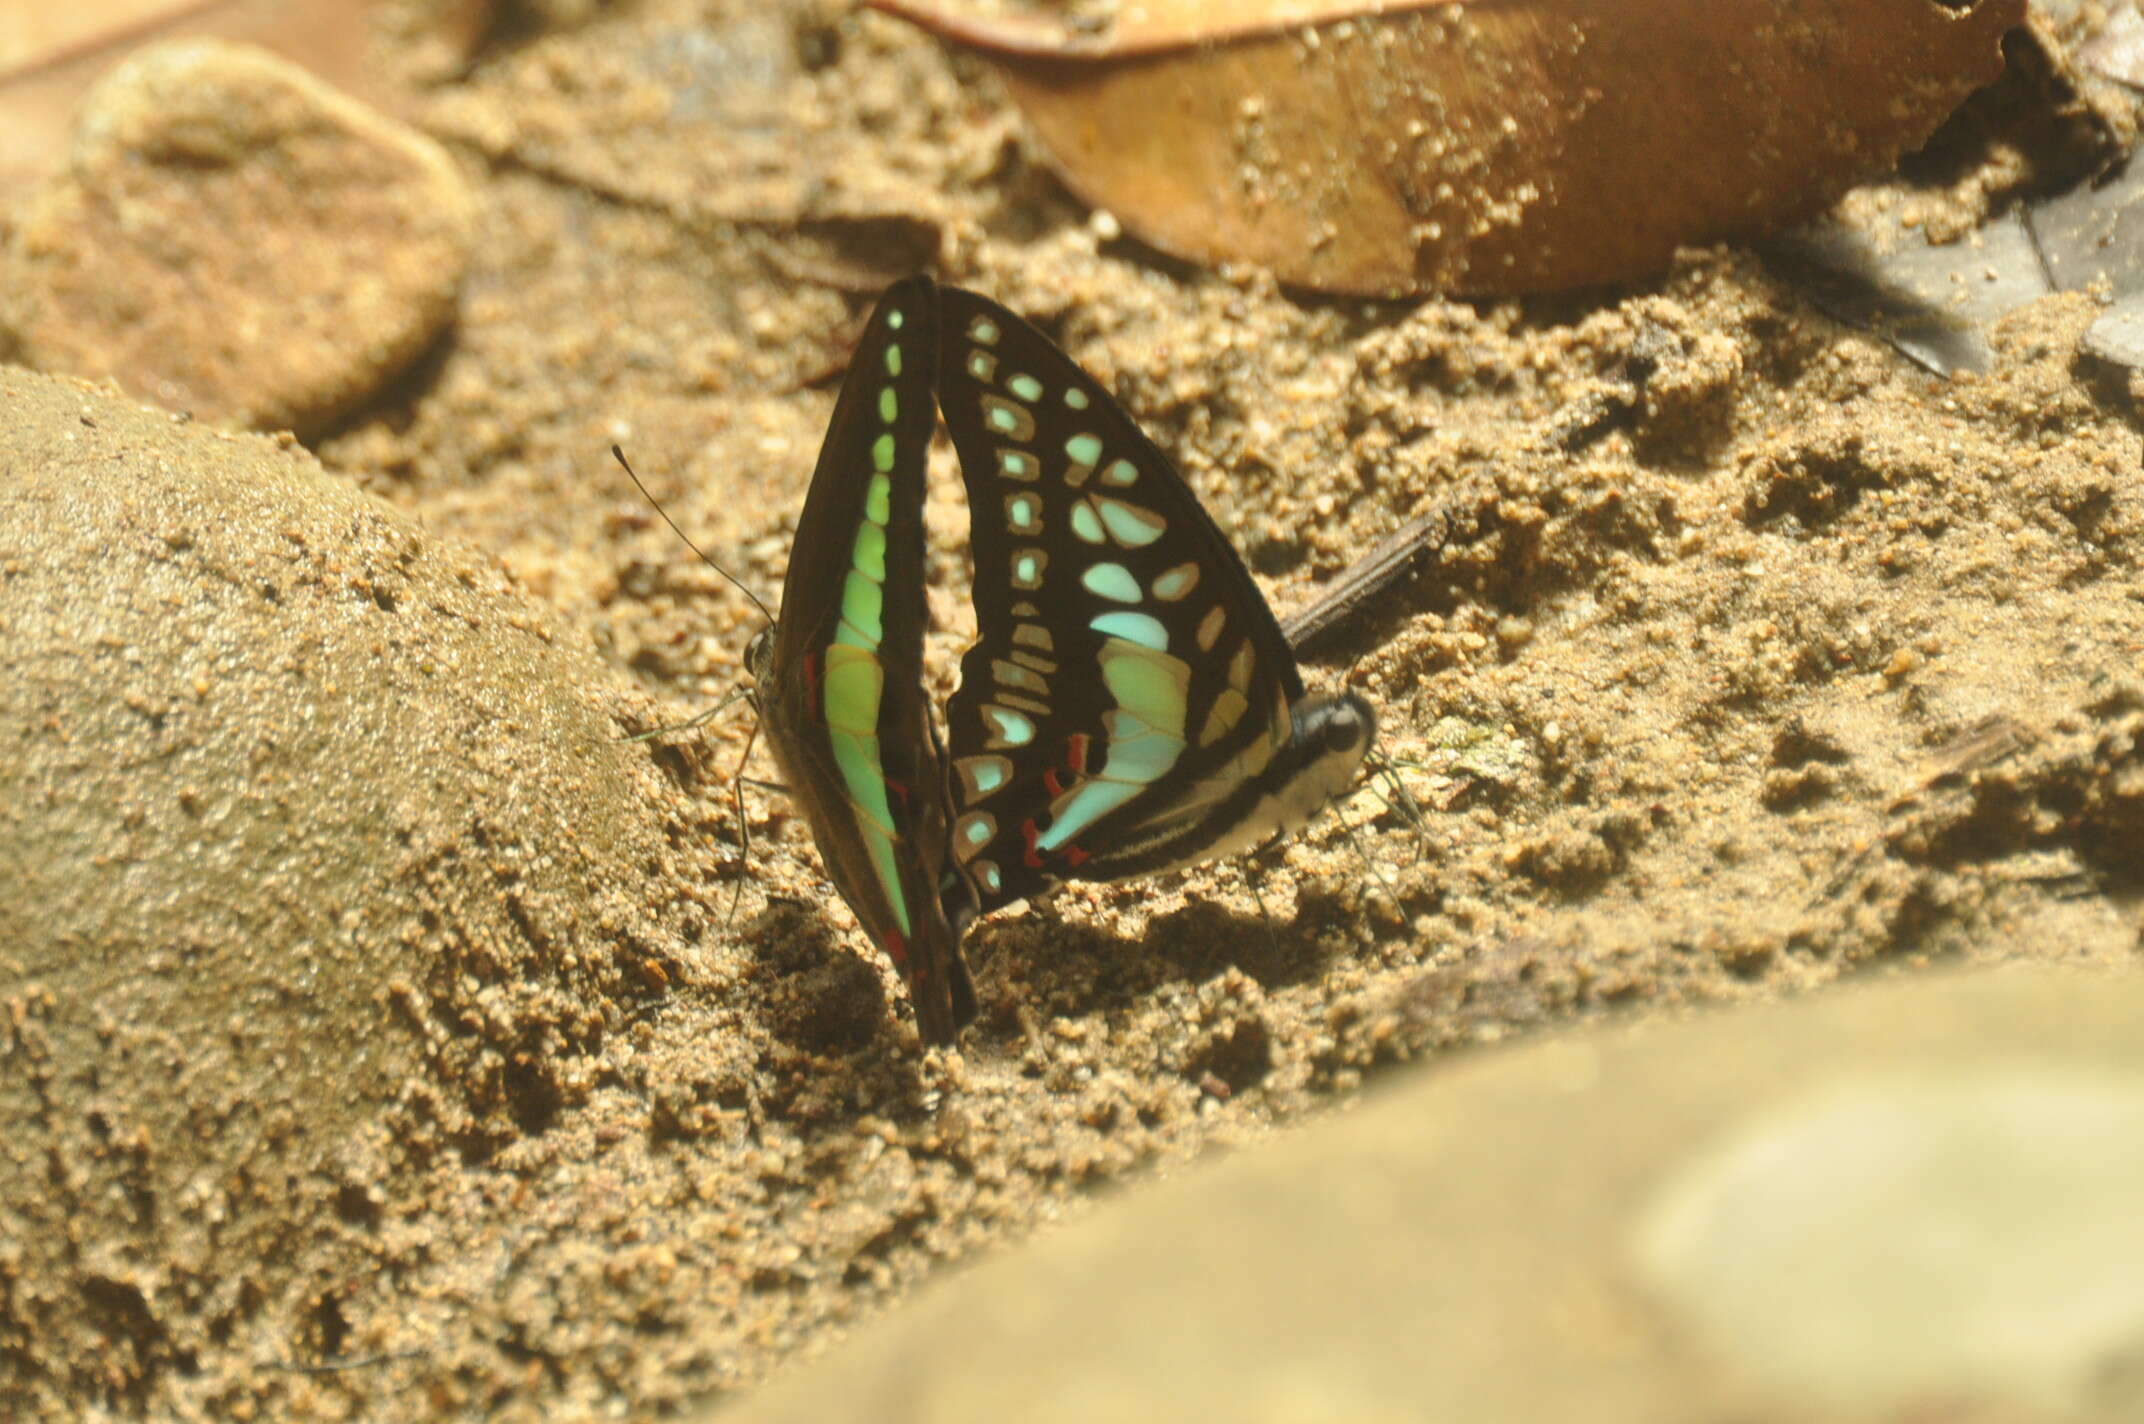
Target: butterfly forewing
[841,694]
[1127,678]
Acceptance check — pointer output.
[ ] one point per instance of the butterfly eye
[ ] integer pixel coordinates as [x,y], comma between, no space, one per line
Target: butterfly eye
[1345,724]
[759,654]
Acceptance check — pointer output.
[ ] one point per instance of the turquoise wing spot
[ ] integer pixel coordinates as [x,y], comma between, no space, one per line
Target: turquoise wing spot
[870,552]
[1086,523]
[1123,474]
[1014,465]
[1014,729]
[1027,567]
[977,827]
[1075,398]
[1026,387]
[855,685]
[981,775]
[982,365]
[1112,581]
[1023,514]
[1084,449]
[1140,628]
[983,329]
[863,607]
[1131,526]
[1146,735]
[1007,418]
[1172,584]
[1153,687]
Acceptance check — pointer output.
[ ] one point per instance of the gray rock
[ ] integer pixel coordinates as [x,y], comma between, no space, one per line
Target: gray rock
[318,856]
[1913,1199]
[234,239]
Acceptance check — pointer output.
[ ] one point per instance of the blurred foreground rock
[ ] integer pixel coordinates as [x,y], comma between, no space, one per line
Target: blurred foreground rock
[319,861]
[236,240]
[1915,1199]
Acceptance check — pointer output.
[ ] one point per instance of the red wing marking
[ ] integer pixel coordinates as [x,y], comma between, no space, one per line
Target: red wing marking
[896,946]
[1074,856]
[1033,856]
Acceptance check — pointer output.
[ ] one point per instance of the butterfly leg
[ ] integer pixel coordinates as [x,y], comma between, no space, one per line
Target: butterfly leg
[729,699]
[744,825]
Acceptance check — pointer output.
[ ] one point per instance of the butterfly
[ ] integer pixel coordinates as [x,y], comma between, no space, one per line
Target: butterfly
[839,674]
[1129,705]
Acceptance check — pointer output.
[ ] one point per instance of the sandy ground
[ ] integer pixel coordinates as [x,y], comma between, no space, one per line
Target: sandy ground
[1754,657]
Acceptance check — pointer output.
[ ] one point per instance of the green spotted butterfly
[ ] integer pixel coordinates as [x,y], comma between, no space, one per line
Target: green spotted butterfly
[840,674]
[1129,706]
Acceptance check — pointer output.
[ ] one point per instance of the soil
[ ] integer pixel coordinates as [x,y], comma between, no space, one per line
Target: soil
[1750,657]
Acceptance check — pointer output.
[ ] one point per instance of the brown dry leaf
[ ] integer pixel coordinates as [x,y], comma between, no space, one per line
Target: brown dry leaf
[1424,145]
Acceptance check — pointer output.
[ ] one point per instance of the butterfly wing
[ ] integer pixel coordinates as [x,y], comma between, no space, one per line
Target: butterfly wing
[1128,682]
[841,693]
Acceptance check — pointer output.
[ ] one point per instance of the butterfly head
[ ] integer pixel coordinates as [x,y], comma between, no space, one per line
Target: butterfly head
[759,657]
[1332,736]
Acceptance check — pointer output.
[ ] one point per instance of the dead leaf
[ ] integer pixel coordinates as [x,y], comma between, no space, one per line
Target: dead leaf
[1425,145]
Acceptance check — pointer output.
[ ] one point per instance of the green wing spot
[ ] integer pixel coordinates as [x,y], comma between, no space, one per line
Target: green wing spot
[894,320]
[1153,687]
[878,500]
[1023,514]
[1014,729]
[1141,628]
[1172,584]
[870,553]
[863,607]
[1027,569]
[893,360]
[882,454]
[1146,735]
[983,774]
[982,365]
[1008,418]
[889,406]
[1121,473]
[983,329]
[1015,466]
[1026,387]
[1086,523]
[1113,581]
[1084,449]
[1075,398]
[1131,526]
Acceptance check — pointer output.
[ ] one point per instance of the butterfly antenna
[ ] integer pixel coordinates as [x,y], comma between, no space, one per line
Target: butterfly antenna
[735,582]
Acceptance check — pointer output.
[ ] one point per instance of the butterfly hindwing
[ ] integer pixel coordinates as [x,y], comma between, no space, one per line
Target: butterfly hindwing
[1128,685]
[841,688]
